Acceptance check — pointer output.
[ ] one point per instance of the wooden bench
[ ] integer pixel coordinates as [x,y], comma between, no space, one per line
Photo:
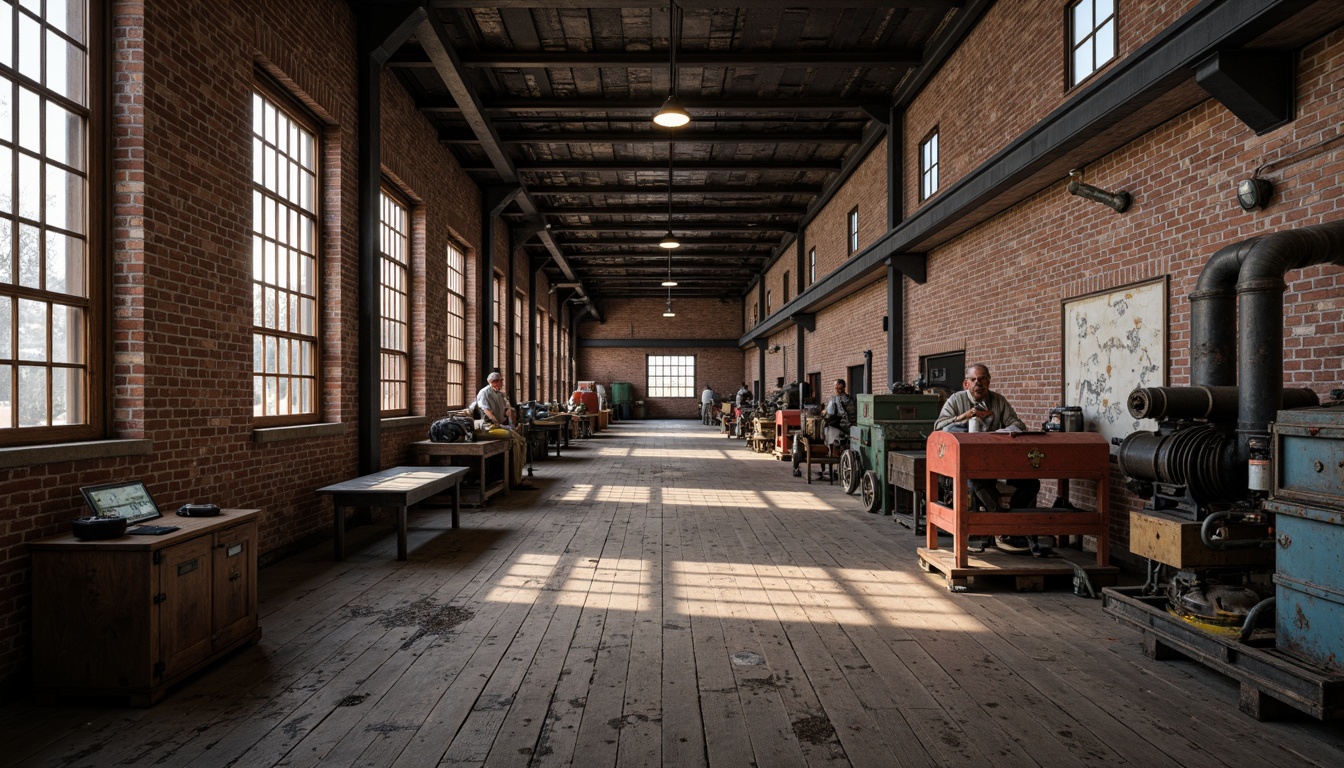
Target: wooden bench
[473,455]
[398,487]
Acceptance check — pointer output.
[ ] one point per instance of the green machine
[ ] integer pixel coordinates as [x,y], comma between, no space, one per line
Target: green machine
[885,423]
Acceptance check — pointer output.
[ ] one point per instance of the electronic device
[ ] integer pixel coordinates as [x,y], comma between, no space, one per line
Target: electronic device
[198,510]
[129,500]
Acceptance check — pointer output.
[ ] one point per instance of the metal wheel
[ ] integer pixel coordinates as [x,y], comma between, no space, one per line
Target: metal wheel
[871,486]
[851,471]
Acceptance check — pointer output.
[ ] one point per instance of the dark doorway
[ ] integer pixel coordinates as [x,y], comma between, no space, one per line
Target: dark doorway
[856,383]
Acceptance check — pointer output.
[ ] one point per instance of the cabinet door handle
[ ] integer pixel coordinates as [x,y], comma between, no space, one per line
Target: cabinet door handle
[235,576]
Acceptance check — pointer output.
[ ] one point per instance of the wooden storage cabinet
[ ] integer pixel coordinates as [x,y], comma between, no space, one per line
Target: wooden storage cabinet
[134,615]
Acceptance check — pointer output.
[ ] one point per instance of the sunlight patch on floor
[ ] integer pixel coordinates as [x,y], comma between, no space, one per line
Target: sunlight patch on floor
[711,497]
[796,500]
[630,494]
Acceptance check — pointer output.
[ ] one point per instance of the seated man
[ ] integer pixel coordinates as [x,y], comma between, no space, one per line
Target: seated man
[978,409]
[840,412]
[499,422]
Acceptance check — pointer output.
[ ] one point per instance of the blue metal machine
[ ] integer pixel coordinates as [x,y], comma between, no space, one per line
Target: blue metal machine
[1308,501]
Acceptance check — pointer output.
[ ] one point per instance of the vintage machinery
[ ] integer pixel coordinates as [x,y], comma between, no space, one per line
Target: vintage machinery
[885,423]
[1307,500]
[1245,481]
[788,421]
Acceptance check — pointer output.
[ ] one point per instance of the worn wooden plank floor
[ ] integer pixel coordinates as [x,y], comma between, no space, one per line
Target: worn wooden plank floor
[668,598]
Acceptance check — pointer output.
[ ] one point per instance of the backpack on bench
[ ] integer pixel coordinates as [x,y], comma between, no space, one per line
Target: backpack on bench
[452,429]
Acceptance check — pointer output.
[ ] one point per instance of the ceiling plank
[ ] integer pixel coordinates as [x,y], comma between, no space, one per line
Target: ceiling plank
[808,58]
[692,4]
[682,189]
[661,137]
[587,107]
[581,165]
[660,210]
[677,226]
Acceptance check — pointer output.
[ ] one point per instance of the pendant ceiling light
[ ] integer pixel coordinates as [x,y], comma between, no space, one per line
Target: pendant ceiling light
[669,240]
[672,115]
[669,312]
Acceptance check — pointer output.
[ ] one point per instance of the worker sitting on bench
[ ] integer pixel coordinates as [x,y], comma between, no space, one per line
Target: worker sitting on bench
[976,409]
[498,418]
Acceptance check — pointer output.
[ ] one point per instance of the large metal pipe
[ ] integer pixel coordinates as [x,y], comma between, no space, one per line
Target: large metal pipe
[1213,318]
[1260,290]
[1208,403]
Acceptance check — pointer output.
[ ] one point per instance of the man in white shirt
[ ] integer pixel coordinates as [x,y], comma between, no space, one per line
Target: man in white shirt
[499,423]
[707,405]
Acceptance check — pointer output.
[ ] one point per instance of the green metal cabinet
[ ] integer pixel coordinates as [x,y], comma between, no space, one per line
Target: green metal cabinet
[885,423]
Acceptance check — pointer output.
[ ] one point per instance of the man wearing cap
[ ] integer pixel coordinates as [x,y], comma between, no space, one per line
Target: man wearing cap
[498,417]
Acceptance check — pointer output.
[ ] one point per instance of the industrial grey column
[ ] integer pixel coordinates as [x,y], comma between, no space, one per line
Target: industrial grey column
[761,344]
[381,34]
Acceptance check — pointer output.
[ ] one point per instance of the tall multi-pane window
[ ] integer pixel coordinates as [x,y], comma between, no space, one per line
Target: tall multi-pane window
[456,372]
[786,289]
[48,282]
[497,321]
[853,229]
[767,303]
[1092,34]
[542,349]
[284,263]
[519,391]
[395,279]
[928,166]
[811,266]
[556,373]
[671,376]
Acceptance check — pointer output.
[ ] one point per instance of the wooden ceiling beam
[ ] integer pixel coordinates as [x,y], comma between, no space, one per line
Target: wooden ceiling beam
[410,58]
[677,226]
[683,210]
[580,165]
[696,190]
[690,5]
[661,137]
[586,108]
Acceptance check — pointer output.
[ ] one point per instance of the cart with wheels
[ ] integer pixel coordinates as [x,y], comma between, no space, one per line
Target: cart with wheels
[886,423]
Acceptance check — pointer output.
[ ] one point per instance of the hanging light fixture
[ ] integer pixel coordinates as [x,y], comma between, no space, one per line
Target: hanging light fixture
[672,115]
[669,312]
[669,240]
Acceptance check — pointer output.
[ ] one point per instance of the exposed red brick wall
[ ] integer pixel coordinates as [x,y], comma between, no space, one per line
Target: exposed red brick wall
[637,319]
[867,189]
[1010,73]
[181,275]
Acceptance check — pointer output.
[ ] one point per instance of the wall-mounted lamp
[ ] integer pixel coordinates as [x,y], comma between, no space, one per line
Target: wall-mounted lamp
[1116,200]
[1254,193]
[774,349]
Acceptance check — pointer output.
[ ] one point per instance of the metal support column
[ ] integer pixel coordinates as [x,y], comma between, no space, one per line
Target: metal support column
[381,34]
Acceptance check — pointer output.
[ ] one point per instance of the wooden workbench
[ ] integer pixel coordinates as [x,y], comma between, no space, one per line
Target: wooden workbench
[473,455]
[400,488]
[963,456]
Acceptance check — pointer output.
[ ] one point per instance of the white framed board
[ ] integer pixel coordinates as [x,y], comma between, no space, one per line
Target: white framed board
[1113,342]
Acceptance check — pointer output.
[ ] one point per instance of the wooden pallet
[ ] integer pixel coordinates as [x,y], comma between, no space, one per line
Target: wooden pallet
[1029,574]
[1273,683]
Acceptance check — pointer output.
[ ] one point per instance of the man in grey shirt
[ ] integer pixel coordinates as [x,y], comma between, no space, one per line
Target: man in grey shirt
[993,412]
